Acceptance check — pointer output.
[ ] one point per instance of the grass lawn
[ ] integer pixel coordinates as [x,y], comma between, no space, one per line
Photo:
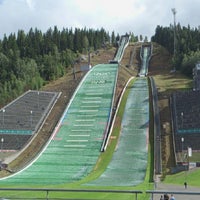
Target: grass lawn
[170,82]
[191,176]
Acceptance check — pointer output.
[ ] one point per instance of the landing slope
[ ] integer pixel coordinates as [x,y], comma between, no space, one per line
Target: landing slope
[128,165]
[75,145]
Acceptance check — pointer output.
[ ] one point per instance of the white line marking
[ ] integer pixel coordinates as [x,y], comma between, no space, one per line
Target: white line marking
[74,145]
[91,106]
[85,111]
[79,135]
[83,125]
[77,140]
[85,120]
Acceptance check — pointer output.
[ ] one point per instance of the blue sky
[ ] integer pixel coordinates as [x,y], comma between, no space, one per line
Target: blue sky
[137,16]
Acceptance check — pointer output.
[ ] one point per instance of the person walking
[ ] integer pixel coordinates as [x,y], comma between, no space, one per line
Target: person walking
[172,197]
[185,185]
[166,197]
[161,197]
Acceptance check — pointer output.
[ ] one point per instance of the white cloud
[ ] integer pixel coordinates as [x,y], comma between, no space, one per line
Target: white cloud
[137,16]
[31,4]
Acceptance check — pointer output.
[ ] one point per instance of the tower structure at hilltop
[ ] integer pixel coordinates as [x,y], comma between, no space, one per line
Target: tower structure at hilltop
[174,14]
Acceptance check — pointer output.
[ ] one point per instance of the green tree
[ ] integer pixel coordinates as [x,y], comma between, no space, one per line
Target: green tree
[21,42]
[28,60]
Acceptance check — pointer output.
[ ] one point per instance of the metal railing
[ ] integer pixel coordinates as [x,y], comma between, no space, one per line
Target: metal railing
[47,192]
[162,192]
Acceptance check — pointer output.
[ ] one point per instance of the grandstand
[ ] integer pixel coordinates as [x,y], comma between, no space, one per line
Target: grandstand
[186,119]
[21,118]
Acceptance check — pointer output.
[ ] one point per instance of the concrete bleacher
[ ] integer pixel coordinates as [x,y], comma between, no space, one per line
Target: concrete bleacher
[21,118]
[189,141]
[186,119]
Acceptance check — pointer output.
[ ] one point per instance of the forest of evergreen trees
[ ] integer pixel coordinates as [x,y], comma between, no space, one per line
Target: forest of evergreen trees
[187,46]
[29,60]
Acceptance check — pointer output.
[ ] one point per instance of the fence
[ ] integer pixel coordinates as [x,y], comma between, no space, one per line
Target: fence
[152,192]
[47,192]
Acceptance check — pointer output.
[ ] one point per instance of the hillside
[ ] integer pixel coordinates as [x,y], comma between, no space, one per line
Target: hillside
[159,68]
[166,82]
[66,85]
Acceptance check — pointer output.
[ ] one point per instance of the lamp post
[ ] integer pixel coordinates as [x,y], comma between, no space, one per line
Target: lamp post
[38,99]
[182,120]
[74,70]
[189,155]
[182,141]
[2,140]
[31,118]
[3,115]
[88,56]
[174,14]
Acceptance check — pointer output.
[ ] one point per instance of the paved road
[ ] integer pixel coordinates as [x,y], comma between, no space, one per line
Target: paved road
[177,188]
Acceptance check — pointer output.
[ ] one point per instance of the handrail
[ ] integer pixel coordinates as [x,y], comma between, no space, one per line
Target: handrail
[152,192]
[136,192]
[172,192]
[115,114]
[48,190]
[109,122]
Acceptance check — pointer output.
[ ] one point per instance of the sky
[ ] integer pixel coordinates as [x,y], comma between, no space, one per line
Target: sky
[139,17]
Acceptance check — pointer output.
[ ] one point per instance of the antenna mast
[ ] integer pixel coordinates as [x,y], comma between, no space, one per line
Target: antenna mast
[174,13]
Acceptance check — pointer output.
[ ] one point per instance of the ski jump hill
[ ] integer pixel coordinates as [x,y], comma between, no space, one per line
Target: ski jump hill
[83,131]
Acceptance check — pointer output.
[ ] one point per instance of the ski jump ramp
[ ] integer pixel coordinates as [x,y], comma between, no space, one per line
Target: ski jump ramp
[75,145]
[129,161]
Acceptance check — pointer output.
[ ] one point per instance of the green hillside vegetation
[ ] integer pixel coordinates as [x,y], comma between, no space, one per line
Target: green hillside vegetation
[186,53]
[191,177]
[30,60]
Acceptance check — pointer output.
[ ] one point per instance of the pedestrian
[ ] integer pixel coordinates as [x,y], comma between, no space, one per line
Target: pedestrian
[172,197]
[185,184]
[166,197]
[161,197]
